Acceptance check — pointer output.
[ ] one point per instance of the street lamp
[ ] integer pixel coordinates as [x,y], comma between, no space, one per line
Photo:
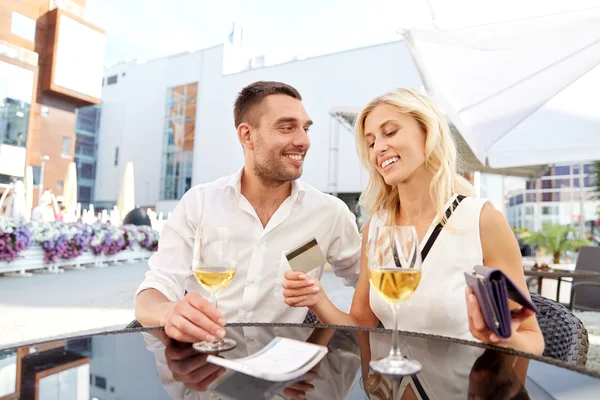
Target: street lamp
[41,189]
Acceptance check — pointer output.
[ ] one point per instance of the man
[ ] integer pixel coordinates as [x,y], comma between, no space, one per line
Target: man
[270,212]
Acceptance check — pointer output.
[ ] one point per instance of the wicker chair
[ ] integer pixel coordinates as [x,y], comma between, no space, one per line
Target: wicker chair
[565,335]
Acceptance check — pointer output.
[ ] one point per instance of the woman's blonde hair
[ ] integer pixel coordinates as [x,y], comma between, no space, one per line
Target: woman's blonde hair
[441,158]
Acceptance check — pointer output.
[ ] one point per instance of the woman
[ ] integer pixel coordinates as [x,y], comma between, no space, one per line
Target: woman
[405,142]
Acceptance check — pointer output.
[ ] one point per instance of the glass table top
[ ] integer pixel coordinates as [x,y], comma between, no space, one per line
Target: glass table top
[145,364]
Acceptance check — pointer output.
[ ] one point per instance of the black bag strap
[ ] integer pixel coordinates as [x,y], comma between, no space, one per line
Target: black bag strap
[438,228]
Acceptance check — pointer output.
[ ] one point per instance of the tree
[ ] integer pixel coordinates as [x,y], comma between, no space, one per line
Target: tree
[555,239]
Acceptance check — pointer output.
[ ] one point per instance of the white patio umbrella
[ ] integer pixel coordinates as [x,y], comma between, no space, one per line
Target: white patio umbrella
[126,201]
[28,182]
[19,205]
[70,191]
[519,79]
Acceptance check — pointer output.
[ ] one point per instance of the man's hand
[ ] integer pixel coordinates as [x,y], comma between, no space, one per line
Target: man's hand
[300,290]
[190,367]
[194,319]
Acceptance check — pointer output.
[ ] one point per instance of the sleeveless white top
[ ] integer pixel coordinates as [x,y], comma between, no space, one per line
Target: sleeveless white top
[438,305]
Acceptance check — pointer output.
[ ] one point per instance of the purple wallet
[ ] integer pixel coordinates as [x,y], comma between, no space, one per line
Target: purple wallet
[493,289]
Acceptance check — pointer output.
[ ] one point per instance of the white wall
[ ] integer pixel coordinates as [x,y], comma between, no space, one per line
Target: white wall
[133,112]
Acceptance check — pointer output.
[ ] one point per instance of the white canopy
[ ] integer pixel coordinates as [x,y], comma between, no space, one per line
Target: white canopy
[519,79]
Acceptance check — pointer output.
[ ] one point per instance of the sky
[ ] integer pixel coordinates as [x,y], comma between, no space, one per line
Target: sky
[154,28]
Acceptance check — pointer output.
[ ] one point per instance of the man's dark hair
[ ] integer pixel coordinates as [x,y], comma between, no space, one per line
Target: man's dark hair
[252,95]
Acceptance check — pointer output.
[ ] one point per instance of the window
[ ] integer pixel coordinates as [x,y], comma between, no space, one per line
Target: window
[529,210]
[88,119]
[531,197]
[100,382]
[519,199]
[547,197]
[549,210]
[547,184]
[66,146]
[562,183]
[563,196]
[530,185]
[588,168]
[112,80]
[589,181]
[37,172]
[16,87]
[23,26]
[116,156]
[84,194]
[86,171]
[562,170]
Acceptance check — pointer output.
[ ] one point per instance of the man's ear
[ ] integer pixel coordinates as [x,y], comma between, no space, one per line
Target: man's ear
[245,136]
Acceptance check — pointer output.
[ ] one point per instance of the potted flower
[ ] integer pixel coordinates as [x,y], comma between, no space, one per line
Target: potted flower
[555,239]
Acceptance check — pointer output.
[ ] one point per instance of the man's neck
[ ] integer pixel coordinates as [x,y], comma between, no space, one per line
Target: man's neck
[258,192]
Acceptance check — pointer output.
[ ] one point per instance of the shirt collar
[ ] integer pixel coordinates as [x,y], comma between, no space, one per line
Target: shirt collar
[235,182]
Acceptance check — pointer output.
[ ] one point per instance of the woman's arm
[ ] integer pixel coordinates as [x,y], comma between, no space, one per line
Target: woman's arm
[501,250]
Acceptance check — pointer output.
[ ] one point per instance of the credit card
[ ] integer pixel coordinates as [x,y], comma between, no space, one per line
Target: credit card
[306,257]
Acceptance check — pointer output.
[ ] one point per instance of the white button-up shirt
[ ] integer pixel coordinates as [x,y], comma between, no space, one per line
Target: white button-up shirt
[255,294]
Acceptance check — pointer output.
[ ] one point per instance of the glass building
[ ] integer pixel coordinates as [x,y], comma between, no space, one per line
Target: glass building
[87,127]
[557,197]
[178,144]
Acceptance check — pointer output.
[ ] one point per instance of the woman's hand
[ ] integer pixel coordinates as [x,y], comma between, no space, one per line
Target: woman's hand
[300,289]
[480,330]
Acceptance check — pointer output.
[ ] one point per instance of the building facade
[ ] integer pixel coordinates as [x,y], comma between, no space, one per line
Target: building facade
[563,195]
[172,117]
[51,62]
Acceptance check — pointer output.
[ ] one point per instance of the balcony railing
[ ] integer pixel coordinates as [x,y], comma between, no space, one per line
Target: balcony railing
[66,5]
[18,53]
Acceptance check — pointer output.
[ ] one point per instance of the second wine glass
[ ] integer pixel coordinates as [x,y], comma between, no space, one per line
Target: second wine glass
[395,273]
[214,264]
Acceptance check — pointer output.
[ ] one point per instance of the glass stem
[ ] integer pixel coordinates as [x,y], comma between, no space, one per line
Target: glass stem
[214,301]
[395,350]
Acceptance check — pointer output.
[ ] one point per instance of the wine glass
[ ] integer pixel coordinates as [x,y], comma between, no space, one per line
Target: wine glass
[214,264]
[394,273]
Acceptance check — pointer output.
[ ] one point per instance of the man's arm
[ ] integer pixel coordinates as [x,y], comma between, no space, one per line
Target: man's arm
[170,265]
[160,299]
[152,308]
[344,250]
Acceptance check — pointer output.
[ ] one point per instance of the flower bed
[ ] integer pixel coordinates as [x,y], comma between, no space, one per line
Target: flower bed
[60,241]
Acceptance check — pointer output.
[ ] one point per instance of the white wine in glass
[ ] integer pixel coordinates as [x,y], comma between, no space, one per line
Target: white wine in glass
[214,264]
[395,273]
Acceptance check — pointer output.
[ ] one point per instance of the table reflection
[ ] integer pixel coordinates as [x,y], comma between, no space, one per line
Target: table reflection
[451,370]
[186,374]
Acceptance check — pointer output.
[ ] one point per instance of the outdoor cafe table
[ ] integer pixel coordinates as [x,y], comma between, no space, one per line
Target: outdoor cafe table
[559,274]
[143,364]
